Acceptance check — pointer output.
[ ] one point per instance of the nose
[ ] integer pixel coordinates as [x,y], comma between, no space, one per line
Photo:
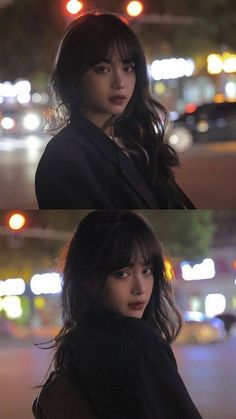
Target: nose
[138,287]
[117,80]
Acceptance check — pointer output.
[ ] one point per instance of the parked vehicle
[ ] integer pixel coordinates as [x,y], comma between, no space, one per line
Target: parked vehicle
[228,319]
[201,330]
[22,121]
[205,123]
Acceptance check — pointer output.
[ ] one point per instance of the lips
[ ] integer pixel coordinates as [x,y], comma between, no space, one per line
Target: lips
[117,99]
[137,305]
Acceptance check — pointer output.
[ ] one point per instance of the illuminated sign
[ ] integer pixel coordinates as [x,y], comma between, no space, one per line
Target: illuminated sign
[13,286]
[12,306]
[48,283]
[20,90]
[216,63]
[172,68]
[214,304]
[203,270]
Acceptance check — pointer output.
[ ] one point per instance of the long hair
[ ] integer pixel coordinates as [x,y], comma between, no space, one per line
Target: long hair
[142,125]
[104,242]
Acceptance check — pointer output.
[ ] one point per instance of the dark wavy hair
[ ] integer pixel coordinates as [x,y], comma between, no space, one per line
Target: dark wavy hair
[142,125]
[104,242]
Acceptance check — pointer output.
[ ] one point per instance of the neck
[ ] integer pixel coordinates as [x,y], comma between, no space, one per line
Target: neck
[101,122]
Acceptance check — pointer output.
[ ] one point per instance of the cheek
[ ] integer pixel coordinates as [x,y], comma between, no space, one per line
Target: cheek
[115,294]
[90,84]
[133,81]
[150,286]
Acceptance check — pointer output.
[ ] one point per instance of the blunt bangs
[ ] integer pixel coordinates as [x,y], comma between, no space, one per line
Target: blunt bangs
[89,41]
[115,36]
[109,32]
[125,244]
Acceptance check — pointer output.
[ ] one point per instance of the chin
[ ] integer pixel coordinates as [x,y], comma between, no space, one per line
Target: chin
[137,315]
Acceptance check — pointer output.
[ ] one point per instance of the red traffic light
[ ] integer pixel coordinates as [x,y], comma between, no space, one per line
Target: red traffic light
[134,8]
[16,221]
[73,7]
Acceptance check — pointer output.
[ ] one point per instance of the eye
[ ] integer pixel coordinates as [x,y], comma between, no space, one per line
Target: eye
[129,68]
[148,270]
[121,274]
[101,69]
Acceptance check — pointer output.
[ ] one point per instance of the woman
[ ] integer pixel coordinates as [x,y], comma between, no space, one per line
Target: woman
[111,153]
[112,356]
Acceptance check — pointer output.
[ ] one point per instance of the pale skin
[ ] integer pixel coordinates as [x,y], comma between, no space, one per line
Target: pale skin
[101,83]
[127,287]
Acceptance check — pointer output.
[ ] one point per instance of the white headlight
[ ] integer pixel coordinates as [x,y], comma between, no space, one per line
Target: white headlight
[7,122]
[181,139]
[31,121]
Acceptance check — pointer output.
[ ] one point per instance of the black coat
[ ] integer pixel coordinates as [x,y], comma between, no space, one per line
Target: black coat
[82,168]
[126,371]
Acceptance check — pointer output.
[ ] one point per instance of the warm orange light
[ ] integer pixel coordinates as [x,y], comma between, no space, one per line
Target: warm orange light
[134,8]
[219,98]
[74,7]
[16,221]
[169,270]
[190,107]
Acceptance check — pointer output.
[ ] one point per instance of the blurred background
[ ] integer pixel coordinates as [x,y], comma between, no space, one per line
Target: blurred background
[200,260]
[191,58]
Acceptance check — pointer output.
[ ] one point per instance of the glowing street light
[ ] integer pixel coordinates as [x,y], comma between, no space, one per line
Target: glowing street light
[134,8]
[74,6]
[16,221]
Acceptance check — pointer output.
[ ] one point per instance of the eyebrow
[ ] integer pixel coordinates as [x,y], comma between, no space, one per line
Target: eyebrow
[133,263]
[108,61]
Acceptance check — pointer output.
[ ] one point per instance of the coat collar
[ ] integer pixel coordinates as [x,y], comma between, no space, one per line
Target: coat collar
[114,154]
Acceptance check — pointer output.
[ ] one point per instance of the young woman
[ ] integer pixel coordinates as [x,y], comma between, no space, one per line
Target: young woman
[111,153]
[113,358]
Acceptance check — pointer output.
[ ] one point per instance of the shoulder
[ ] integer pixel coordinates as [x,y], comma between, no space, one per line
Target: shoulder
[146,341]
[127,335]
[61,398]
[67,137]
[67,149]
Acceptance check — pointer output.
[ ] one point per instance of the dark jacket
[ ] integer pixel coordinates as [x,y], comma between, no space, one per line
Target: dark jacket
[61,398]
[126,371]
[82,168]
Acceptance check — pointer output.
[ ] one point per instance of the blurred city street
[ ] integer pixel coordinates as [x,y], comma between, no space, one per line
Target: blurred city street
[209,372]
[203,270]
[191,68]
[206,173]
[18,162]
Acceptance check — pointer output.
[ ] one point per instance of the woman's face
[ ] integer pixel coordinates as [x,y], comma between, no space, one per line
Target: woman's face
[128,290]
[106,89]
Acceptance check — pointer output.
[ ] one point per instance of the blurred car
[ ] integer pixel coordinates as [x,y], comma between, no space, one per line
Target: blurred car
[201,330]
[22,121]
[204,123]
[228,319]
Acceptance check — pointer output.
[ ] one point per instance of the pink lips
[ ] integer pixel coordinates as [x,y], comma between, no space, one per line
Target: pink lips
[139,305]
[117,100]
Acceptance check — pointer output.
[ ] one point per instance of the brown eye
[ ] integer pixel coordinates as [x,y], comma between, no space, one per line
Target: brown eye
[101,69]
[147,270]
[129,68]
[120,274]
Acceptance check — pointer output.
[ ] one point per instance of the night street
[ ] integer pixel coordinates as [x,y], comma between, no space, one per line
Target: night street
[209,373]
[18,162]
[206,174]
